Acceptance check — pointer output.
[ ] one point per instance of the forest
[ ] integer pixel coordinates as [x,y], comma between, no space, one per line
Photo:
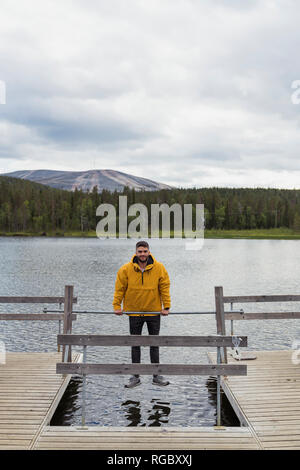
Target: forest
[28,207]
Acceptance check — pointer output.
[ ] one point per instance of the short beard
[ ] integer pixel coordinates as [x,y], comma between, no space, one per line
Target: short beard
[142,261]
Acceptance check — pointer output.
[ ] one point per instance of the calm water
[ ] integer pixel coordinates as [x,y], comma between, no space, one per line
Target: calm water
[42,266]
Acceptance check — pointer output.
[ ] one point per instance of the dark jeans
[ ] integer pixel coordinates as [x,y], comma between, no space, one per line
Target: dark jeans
[136,326]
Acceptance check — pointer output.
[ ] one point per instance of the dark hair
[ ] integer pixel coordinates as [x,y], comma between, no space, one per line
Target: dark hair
[142,243]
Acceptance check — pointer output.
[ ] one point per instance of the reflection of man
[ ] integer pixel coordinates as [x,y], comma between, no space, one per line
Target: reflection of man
[143,285]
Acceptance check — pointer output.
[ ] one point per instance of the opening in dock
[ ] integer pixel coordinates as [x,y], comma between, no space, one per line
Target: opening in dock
[155,411]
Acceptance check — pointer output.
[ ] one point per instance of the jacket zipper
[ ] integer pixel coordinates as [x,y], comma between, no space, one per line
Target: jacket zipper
[142,277]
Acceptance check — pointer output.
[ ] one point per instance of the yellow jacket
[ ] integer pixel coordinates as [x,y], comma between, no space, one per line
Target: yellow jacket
[142,291]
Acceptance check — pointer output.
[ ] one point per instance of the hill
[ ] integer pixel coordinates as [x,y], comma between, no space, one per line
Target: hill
[110,180]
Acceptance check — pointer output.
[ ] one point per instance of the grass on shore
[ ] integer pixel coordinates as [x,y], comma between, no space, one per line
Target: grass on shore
[274,233]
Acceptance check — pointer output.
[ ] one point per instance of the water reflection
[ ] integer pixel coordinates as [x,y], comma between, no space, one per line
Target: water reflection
[158,414]
[68,405]
[137,413]
[228,416]
[161,411]
[133,412]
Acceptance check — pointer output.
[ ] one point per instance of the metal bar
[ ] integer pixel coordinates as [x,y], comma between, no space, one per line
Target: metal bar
[83,390]
[240,311]
[218,389]
[59,327]
[59,332]
[65,353]
[231,310]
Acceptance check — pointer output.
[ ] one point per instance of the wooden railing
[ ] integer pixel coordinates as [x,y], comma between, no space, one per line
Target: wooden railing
[67,317]
[222,316]
[85,368]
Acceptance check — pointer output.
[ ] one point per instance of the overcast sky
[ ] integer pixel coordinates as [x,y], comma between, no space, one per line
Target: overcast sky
[185,92]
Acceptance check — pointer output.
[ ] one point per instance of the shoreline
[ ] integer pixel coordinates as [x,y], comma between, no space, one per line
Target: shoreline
[261,234]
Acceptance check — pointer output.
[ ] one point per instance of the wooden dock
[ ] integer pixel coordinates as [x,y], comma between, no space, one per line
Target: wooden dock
[267,399]
[30,391]
[266,402]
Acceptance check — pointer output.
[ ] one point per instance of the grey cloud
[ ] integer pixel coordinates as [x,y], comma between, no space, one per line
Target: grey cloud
[167,87]
[87,133]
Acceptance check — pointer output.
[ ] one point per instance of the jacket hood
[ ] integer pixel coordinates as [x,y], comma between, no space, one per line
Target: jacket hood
[150,261]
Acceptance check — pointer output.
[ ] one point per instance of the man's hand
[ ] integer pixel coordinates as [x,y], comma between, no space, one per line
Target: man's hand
[118,312]
[164,312]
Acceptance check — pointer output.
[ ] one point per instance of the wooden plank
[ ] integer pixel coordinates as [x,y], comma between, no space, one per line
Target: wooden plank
[267,429]
[54,403]
[33,300]
[15,440]
[75,439]
[115,430]
[67,329]
[260,298]
[270,406]
[108,437]
[220,319]
[34,316]
[149,369]
[12,420]
[155,340]
[262,316]
[159,445]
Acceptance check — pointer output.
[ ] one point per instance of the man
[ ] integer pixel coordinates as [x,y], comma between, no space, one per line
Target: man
[143,285]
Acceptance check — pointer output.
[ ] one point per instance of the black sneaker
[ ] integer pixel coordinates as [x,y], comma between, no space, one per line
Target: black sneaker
[133,382]
[159,380]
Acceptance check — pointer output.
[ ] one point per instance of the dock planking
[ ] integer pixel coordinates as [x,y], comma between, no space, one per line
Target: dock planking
[30,391]
[267,399]
[103,438]
[266,402]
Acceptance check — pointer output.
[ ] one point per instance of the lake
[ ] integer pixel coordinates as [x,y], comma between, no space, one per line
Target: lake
[43,266]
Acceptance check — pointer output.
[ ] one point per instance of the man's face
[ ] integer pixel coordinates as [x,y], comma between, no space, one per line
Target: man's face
[142,253]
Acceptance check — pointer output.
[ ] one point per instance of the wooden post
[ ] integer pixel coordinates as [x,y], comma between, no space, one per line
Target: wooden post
[68,307]
[220,319]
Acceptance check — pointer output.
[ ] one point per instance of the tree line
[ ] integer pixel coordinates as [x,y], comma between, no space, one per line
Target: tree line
[31,207]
